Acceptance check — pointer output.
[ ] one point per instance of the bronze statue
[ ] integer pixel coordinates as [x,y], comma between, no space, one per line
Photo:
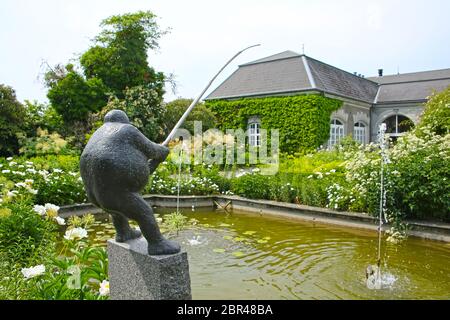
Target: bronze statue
[115,167]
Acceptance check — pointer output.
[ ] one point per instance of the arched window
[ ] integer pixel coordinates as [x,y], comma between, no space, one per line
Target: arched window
[336,132]
[397,125]
[359,132]
[254,133]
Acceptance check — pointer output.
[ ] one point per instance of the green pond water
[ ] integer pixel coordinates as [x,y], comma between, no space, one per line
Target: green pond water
[248,256]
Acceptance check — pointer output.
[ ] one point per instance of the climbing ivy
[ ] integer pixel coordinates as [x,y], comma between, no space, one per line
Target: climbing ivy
[303,121]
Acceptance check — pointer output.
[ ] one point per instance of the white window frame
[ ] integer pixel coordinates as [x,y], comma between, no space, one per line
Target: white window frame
[396,133]
[254,132]
[337,132]
[359,132]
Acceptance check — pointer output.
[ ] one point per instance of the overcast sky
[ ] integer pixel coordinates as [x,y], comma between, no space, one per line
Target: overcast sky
[354,35]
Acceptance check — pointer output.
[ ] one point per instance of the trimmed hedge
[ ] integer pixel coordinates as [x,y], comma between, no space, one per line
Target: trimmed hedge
[303,121]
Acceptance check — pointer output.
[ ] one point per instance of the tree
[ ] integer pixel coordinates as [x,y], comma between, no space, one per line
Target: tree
[119,57]
[12,115]
[436,115]
[74,97]
[144,109]
[175,110]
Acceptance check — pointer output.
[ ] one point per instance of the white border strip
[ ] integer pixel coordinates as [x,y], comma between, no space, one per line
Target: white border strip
[308,72]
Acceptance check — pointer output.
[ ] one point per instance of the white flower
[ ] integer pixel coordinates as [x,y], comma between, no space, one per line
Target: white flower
[6,171]
[9,159]
[32,191]
[11,194]
[30,181]
[32,272]
[104,288]
[21,184]
[51,208]
[60,221]
[40,210]
[12,163]
[76,233]
[57,170]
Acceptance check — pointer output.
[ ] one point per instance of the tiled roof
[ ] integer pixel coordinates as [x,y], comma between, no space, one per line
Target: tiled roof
[414,76]
[263,78]
[291,73]
[417,91]
[333,80]
[416,86]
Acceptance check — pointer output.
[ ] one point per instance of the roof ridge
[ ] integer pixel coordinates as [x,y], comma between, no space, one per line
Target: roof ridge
[273,58]
[353,75]
[413,81]
[408,73]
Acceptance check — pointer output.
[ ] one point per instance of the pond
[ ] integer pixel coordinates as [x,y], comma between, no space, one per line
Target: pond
[247,256]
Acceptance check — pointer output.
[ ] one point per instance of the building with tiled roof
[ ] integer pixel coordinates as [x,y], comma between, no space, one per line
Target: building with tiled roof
[396,100]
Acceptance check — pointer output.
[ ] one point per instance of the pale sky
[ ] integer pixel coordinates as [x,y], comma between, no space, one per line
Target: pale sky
[353,35]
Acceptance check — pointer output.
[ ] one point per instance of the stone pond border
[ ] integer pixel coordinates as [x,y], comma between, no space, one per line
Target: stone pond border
[438,231]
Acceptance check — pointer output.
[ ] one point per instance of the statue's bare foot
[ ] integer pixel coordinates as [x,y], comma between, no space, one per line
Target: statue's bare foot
[163,247]
[130,235]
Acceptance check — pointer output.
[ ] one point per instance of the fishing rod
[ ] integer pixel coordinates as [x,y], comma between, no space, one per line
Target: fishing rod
[194,103]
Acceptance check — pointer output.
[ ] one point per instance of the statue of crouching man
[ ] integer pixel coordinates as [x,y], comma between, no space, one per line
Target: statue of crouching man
[115,167]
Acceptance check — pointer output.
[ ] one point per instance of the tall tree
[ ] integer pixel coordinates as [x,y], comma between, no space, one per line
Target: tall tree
[74,97]
[12,114]
[120,57]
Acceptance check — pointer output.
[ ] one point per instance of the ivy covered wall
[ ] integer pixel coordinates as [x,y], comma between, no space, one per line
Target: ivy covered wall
[303,121]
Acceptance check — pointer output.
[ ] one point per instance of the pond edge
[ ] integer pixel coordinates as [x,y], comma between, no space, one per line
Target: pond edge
[430,230]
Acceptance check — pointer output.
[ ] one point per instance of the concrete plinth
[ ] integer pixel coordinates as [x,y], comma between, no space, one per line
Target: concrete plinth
[134,275]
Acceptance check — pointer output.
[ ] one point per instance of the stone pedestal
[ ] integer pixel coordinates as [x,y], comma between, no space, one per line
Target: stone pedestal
[134,275]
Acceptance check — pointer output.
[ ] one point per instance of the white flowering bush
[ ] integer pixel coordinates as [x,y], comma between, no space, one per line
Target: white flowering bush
[417,177]
[21,178]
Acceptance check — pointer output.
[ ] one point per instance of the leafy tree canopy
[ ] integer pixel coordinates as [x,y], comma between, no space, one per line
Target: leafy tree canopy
[175,110]
[119,57]
[12,114]
[74,97]
[436,115]
[144,109]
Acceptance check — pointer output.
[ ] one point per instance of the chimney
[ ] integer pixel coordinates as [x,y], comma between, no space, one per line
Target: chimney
[380,72]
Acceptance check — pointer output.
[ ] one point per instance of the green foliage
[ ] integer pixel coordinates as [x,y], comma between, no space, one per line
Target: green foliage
[436,116]
[43,144]
[120,57]
[175,110]
[12,115]
[253,186]
[303,121]
[175,222]
[43,181]
[415,180]
[39,115]
[25,237]
[144,109]
[75,272]
[74,97]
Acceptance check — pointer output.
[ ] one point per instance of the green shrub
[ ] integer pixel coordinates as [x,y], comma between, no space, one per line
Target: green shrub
[415,178]
[25,237]
[436,116]
[252,186]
